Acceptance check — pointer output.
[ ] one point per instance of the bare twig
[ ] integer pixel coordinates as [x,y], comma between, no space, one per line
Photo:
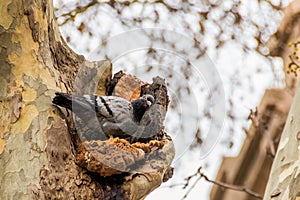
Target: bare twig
[71,15]
[191,188]
[233,187]
[253,117]
[221,184]
[275,7]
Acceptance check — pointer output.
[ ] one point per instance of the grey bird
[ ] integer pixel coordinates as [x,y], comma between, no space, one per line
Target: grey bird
[104,116]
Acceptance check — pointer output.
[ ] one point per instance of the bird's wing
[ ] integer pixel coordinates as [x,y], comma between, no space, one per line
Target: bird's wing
[111,107]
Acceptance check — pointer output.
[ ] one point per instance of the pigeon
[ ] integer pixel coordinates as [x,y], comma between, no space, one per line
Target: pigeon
[103,116]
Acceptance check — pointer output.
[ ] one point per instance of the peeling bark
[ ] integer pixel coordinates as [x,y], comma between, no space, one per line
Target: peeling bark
[284,179]
[37,155]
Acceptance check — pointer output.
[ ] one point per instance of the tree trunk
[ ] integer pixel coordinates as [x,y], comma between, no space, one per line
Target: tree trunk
[284,179]
[37,156]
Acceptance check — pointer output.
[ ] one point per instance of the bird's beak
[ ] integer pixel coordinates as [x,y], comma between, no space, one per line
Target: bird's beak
[149,103]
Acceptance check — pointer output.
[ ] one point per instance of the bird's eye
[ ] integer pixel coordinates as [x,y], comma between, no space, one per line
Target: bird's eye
[150,98]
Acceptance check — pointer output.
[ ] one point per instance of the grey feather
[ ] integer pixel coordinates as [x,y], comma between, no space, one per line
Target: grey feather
[116,116]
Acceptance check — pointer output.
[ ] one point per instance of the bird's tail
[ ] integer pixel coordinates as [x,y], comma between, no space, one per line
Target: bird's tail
[87,123]
[74,103]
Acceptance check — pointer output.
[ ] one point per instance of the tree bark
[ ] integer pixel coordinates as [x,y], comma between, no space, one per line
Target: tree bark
[35,62]
[37,156]
[284,179]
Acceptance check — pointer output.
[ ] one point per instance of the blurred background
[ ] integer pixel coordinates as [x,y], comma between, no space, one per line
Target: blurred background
[230,69]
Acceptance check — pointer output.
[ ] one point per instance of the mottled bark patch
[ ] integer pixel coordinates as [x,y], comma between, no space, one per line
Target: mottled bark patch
[15,107]
[63,179]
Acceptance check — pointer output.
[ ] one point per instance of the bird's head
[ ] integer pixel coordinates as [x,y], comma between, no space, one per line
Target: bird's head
[140,106]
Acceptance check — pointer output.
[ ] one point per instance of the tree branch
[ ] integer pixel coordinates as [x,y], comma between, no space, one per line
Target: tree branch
[71,15]
[221,184]
[232,187]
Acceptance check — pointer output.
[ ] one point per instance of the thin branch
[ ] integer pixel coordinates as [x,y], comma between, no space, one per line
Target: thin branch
[221,184]
[191,188]
[233,187]
[71,15]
